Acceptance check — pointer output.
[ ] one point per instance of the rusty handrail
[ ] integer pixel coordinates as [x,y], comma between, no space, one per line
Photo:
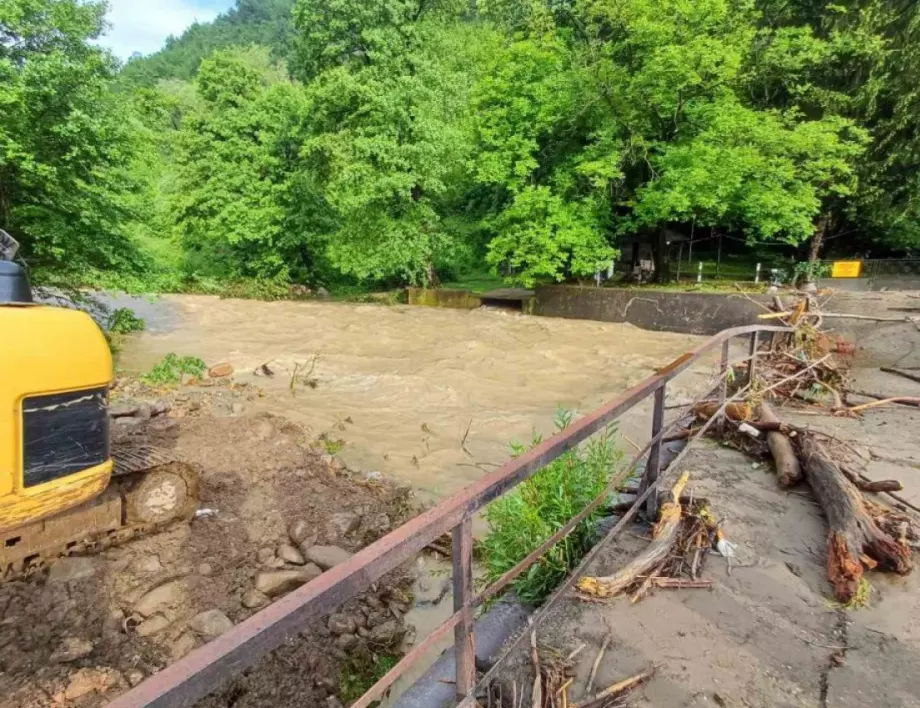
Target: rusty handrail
[206,668]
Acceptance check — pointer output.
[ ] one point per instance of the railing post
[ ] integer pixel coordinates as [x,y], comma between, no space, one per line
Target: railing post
[752,360]
[654,453]
[464,642]
[723,386]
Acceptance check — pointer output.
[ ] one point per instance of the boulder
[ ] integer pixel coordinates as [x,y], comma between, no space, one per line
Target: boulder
[340,525]
[237,408]
[210,624]
[279,582]
[86,681]
[164,596]
[289,554]
[219,371]
[134,677]
[327,557]
[386,634]
[301,533]
[265,554]
[152,625]
[71,649]
[341,623]
[65,570]
[123,409]
[205,569]
[253,599]
[113,623]
[160,407]
[182,646]
[346,642]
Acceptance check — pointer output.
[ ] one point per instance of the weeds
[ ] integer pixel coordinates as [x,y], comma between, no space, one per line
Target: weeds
[332,446]
[358,675]
[124,321]
[525,517]
[170,370]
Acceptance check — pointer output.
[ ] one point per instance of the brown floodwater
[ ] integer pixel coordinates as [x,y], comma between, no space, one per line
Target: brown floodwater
[430,396]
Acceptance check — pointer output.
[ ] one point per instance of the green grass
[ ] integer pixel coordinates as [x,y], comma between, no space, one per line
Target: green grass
[171,369]
[536,509]
[476,282]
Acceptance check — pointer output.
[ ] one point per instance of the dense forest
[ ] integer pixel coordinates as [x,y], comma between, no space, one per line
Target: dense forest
[334,142]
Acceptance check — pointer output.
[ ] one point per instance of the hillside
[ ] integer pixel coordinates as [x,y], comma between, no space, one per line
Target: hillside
[265,22]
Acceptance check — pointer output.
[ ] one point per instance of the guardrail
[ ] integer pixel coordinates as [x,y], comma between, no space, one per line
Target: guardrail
[208,667]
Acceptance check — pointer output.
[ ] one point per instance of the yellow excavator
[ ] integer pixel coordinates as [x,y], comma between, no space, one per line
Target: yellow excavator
[64,487]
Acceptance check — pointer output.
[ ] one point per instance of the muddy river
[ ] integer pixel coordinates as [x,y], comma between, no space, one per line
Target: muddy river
[430,396]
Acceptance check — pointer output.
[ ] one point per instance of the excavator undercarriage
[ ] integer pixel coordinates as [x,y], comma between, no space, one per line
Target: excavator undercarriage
[149,491]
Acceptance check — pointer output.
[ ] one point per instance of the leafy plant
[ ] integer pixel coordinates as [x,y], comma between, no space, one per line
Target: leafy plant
[358,675]
[532,512]
[123,320]
[810,271]
[172,368]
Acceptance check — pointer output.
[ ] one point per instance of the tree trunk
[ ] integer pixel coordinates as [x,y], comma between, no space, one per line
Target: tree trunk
[854,540]
[817,241]
[660,254]
[431,276]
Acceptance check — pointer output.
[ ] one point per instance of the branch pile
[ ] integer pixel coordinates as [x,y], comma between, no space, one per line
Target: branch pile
[681,540]
[802,368]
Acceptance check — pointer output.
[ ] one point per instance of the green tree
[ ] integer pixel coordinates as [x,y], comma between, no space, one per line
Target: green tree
[235,170]
[386,132]
[65,140]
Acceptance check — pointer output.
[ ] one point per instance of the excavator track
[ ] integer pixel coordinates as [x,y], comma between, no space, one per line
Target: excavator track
[150,491]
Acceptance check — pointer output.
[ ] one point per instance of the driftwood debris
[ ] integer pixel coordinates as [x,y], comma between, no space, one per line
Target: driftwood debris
[664,537]
[808,364]
[855,542]
[788,468]
[618,689]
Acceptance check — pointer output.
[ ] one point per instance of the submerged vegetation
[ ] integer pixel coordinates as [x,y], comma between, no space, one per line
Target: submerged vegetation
[533,511]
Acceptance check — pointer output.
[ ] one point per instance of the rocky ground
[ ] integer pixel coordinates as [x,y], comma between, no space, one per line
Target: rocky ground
[276,511]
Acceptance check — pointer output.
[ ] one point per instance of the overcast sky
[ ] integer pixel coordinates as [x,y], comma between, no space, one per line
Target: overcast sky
[143,25]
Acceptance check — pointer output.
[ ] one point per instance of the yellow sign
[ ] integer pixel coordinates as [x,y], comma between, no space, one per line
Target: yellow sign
[846,269]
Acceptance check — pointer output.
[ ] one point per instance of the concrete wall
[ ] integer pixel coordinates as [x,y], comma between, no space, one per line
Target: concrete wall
[668,311]
[458,299]
[879,343]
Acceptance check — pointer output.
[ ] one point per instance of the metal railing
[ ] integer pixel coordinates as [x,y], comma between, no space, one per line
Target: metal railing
[208,667]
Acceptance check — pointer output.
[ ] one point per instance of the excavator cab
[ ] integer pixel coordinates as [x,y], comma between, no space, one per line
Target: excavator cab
[56,461]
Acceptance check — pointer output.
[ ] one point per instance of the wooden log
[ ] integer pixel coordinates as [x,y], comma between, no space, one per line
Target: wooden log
[854,541]
[664,536]
[788,468]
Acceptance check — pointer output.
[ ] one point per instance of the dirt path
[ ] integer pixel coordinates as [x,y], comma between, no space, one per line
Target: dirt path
[403,386]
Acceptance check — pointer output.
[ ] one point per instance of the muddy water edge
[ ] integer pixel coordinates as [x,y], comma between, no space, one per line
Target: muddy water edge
[430,397]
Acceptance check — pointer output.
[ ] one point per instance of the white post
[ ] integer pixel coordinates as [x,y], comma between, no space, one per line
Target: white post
[757,274]
[699,273]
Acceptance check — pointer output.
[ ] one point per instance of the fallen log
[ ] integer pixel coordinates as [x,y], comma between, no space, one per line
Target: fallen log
[854,540]
[788,468]
[664,537]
